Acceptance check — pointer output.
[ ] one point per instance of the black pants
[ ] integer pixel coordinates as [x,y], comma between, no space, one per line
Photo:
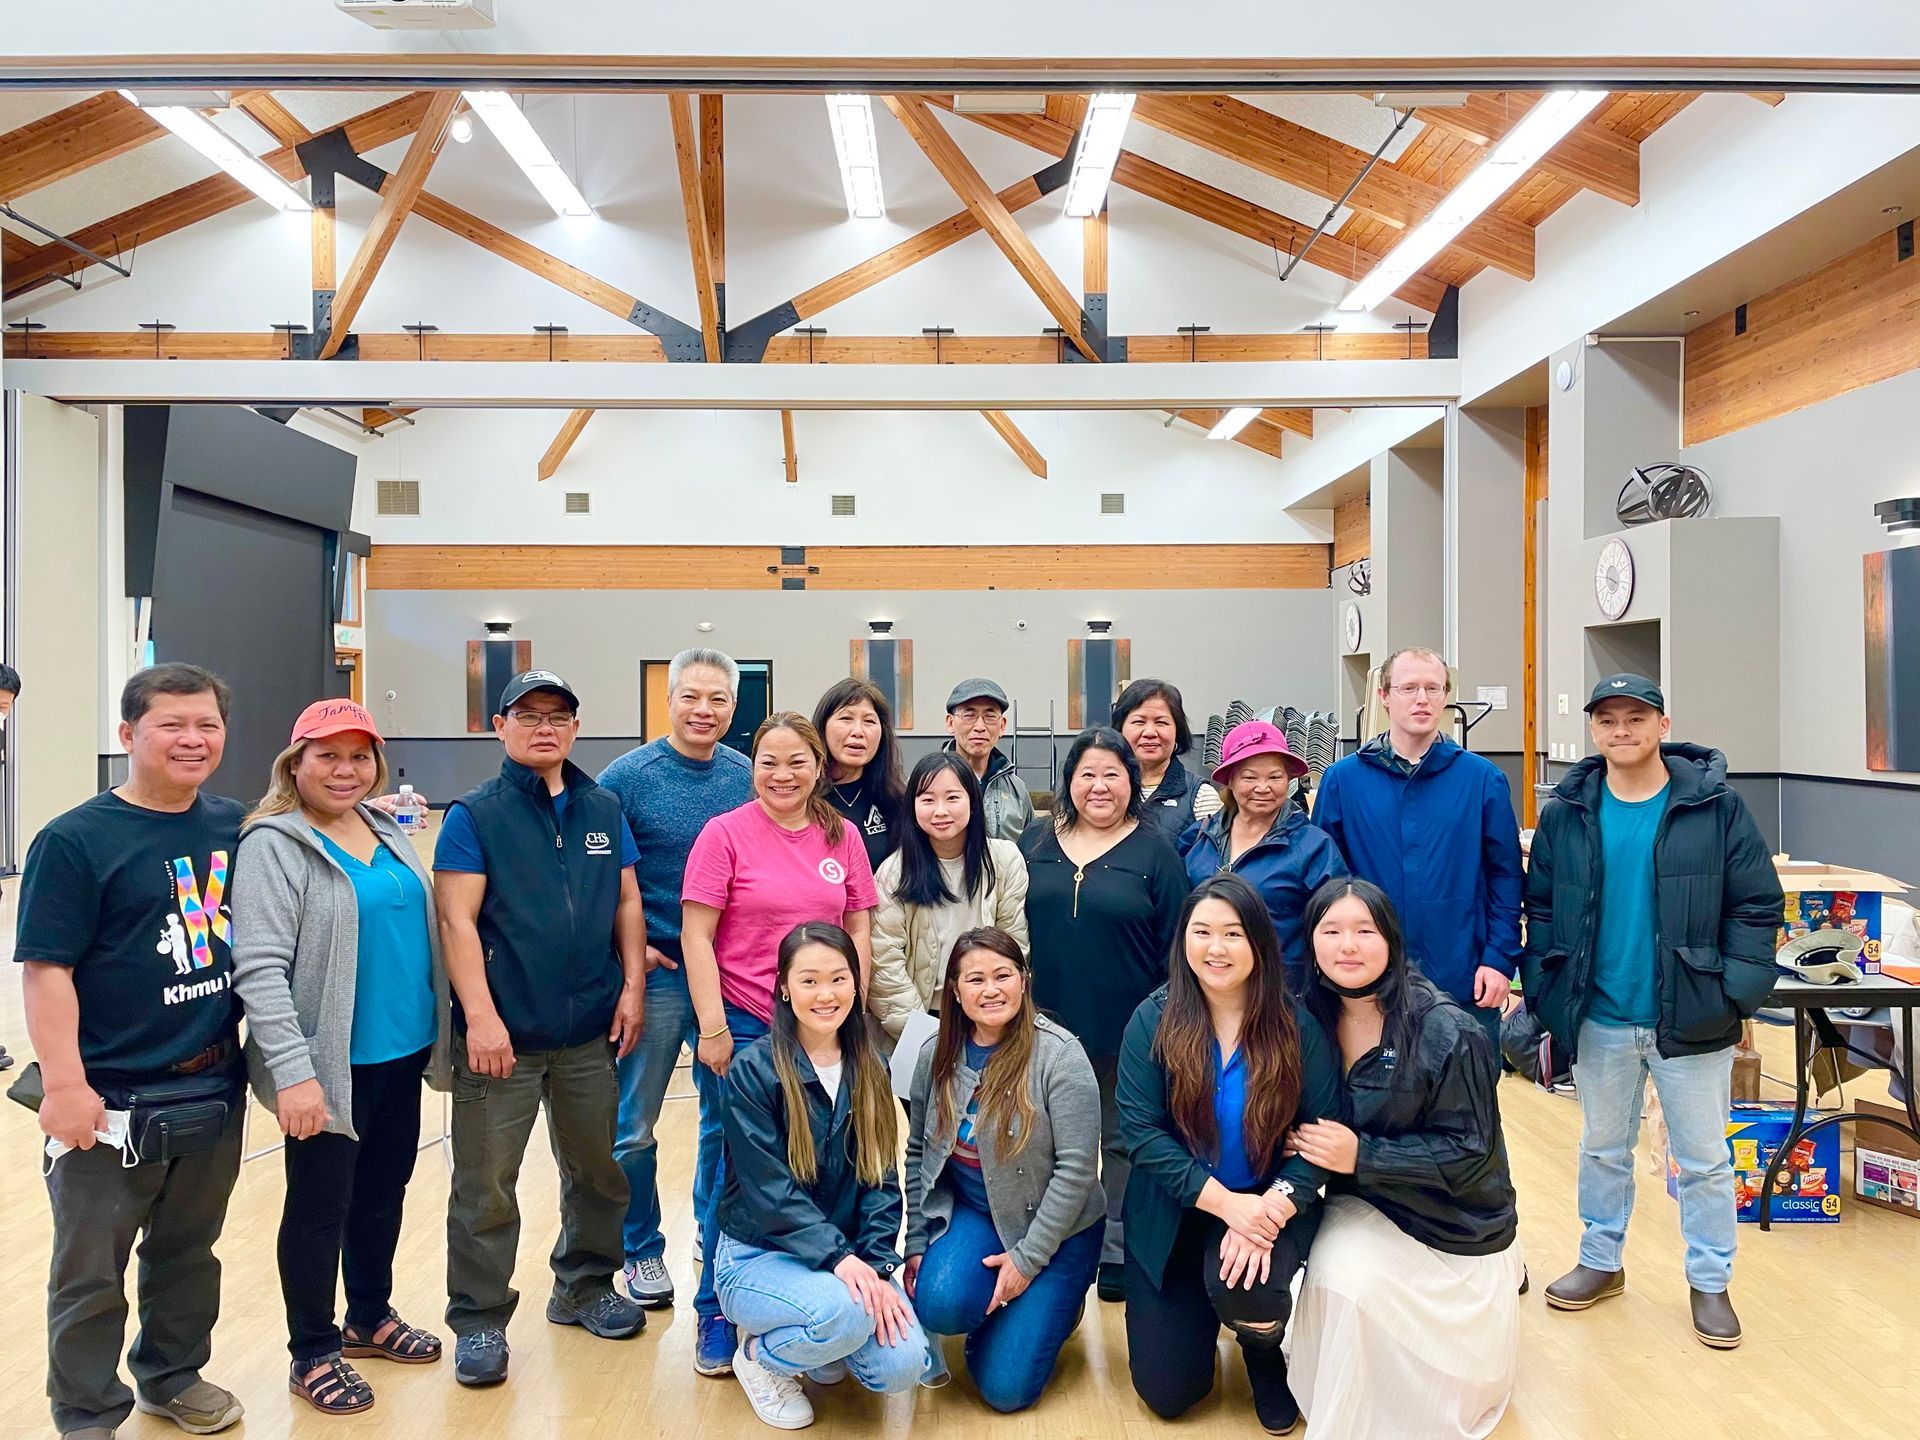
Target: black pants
[1173,1329]
[100,1208]
[342,1214]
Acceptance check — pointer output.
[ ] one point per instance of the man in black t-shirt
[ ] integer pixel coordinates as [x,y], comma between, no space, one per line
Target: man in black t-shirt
[124,935]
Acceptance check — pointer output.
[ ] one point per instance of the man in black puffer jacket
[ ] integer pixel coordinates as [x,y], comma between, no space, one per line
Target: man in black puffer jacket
[1652,912]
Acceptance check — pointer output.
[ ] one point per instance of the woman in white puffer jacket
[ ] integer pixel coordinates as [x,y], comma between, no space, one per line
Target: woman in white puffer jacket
[946,878]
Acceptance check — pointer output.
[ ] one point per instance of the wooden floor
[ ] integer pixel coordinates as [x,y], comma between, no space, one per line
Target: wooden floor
[1832,1315]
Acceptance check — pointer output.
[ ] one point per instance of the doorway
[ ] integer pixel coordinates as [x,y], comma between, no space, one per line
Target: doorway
[755,701]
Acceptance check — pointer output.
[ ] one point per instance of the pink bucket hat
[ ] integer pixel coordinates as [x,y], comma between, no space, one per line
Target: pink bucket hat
[1255,737]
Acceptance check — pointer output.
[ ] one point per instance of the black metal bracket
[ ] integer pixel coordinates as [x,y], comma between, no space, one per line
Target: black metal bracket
[1443,336]
[331,154]
[322,311]
[1052,177]
[307,347]
[1093,330]
[747,341]
[680,340]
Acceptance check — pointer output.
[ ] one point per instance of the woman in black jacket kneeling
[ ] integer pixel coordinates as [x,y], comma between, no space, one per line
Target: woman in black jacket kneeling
[1216,1067]
[1410,1316]
[810,1212]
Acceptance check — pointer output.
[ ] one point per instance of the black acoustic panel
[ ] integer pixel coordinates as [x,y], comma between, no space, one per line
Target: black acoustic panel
[247,595]
[229,451]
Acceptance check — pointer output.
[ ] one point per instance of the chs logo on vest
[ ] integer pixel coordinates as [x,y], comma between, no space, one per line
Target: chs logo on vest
[832,871]
[599,843]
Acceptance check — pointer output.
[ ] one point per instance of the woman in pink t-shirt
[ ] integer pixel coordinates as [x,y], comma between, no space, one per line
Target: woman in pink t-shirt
[784,858]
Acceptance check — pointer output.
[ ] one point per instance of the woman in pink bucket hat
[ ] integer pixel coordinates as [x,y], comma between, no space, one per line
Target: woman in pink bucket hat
[1262,835]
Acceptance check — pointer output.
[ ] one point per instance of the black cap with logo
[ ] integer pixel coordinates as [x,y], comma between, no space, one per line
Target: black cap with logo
[1627,686]
[528,681]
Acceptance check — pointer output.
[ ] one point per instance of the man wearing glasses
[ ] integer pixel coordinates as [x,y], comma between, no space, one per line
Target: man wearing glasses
[545,940]
[1433,826]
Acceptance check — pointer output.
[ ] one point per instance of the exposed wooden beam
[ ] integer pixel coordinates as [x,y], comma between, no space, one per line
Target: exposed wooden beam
[321,242]
[1264,438]
[1323,166]
[1008,431]
[994,217]
[373,417]
[203,199]
[273,117]
[1591,156]
[1093,253]
[786,440]
[1300,422]
[633,347]
[713,180]
[1067,110]
[397,198]
[570,429]
[531,258]
[910,251]
[14,248]
[1767,97]
[1215,206]
[686,154]
[1534,486]
[68,141]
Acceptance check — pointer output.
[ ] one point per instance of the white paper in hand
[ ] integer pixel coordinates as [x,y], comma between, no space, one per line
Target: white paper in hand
[920,1027]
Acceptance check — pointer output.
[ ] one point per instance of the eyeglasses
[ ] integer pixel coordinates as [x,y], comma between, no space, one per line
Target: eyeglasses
[1411,692]
[534,719]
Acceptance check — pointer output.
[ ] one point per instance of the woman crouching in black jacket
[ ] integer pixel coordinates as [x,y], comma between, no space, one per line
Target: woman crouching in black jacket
[811,1207]
[1408,1324]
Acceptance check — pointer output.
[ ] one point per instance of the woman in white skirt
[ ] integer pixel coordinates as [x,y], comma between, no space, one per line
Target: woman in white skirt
[1408,1323]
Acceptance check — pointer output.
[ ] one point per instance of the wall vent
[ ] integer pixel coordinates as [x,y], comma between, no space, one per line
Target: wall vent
[397,497]
[579,502]
[843,505]
[1112,503]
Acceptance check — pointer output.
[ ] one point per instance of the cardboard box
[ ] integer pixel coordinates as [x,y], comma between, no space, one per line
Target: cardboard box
[1821,896]
[1886,1164]
[1807,1190]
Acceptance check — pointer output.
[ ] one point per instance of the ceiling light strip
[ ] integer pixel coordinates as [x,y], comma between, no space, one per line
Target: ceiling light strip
[226,152]
[510,126]
[1098,152]
[851,117]
[1233,422]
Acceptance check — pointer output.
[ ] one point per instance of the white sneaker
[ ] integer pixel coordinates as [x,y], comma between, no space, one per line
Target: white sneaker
[777,1399]
[831,1373]
[648,1284]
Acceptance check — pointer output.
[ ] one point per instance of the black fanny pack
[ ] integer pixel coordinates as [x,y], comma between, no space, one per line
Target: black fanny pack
[181,1115]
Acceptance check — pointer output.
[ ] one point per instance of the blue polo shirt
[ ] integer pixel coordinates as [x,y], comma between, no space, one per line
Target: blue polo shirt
[393,971]
[1234,1170]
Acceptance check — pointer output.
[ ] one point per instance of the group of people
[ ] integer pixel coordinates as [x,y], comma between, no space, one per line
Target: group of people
[1199,1046]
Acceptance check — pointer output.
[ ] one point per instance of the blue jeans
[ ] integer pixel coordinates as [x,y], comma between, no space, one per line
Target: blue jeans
[710,1162]
[1694,1091]
[644,1076]
[1012,1351]
[807,1318]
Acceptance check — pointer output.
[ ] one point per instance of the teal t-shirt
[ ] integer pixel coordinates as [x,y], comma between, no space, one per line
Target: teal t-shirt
[393,981]
[1626,975]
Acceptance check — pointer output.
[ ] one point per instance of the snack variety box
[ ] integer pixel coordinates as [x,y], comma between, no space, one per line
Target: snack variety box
[1886,1164]
[1807,1189]
[1855,910]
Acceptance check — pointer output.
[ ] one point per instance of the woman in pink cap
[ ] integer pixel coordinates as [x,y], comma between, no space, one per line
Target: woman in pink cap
[336,957]
[1263,836]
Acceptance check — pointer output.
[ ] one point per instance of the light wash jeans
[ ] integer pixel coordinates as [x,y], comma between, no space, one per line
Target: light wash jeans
[645,1074]
[807,1318]
[1694,1091]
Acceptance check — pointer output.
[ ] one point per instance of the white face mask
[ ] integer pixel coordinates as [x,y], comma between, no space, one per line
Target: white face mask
[115,1135]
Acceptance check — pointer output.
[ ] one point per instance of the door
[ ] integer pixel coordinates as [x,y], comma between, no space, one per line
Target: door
[755,702]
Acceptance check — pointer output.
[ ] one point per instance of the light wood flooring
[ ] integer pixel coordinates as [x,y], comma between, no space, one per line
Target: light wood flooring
[1832,1315]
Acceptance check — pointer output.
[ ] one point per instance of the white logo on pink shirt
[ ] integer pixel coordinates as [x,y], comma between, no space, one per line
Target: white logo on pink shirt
[832,871]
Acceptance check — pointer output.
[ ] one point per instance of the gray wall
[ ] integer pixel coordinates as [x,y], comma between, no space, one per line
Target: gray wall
[1492,479]
[1408,549]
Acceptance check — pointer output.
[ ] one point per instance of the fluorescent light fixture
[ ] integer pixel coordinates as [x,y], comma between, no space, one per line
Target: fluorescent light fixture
[510,126]
[226,152]
[1539,130]
[853,142]
[1233,422]
[1098,153]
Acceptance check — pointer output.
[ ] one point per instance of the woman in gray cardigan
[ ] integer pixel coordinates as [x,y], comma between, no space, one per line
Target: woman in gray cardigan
[336,958]
[1004,1206]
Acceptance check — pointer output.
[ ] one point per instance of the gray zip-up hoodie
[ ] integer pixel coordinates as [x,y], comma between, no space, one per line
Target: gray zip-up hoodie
[296,936]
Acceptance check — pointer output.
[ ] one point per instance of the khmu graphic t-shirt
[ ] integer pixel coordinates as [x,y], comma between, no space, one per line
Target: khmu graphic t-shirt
[135,903]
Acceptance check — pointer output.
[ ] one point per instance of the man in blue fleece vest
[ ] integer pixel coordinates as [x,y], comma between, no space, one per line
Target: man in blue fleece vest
[1433,825]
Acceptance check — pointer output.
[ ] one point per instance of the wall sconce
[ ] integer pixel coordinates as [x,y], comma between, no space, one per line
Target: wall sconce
[888,663]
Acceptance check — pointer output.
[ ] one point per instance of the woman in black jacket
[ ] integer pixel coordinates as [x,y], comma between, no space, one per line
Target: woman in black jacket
[1410,1316]
[863,763]
[1103,897]
[810,1212]
[1217,1066]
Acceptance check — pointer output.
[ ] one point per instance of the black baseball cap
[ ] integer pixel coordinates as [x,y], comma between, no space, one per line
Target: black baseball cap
[1627,686]
[528,681]
[977,688]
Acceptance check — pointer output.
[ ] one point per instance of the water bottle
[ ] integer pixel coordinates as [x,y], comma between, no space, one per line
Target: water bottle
[410,812]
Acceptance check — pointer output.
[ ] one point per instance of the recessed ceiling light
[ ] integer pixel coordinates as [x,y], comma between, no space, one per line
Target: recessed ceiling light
[1890,209]
[1689,314]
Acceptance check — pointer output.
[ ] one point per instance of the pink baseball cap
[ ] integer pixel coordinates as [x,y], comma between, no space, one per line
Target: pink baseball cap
[1255,737]
[333,717]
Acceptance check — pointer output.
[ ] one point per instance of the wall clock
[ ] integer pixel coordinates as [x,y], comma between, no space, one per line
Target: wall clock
[1613,579]
[1350,627]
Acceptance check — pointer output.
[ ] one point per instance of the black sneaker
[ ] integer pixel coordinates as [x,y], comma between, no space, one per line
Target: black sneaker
[1112,1283]
[610,1316]
[481,1358]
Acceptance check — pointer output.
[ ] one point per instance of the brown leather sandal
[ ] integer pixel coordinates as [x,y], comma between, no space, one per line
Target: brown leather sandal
[332,1387]
[404,1344]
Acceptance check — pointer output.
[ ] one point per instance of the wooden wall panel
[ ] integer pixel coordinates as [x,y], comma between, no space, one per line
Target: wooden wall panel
[1535,490]
[851,567]
[1845,325]
[1352,530]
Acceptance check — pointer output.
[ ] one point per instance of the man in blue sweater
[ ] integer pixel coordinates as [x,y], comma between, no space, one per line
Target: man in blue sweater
[668,791]
[1433,826]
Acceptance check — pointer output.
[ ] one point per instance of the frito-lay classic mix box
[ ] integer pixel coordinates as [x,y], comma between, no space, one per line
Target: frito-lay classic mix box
[1808,1185]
